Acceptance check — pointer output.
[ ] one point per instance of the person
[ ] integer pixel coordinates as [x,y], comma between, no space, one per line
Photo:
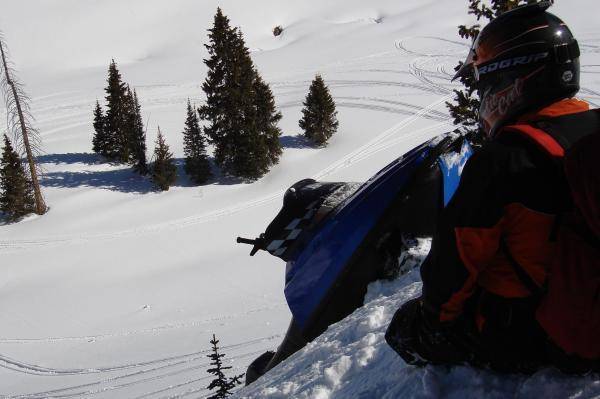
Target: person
[488,269]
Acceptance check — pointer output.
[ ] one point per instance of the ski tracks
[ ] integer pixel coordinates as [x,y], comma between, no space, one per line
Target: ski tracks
[378,143]
[369,149]
[154,330]
[136,373]
[144,373]
[182,367]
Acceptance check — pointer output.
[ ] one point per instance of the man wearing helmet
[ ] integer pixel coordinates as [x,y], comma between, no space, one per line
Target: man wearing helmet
[490,257]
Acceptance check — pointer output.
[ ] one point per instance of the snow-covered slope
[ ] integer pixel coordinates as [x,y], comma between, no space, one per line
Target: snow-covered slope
[352,360]
[116,292]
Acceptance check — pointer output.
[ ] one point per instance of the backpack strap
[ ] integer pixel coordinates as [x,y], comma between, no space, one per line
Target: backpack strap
[523,276]
[543,140]
[556,135]
[551,146]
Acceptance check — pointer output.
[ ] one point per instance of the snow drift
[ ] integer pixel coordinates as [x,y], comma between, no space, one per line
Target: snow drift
[352,360]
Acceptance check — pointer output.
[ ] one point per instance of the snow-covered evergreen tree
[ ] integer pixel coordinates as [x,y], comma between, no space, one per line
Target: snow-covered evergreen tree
[117,140]
[243,138]
[99,139]
[245,152]
[194,149]
[16,192]
[137,135]
[221,383]
[267,118]
[319,117]
[220,36]
[164,171]
[20,122]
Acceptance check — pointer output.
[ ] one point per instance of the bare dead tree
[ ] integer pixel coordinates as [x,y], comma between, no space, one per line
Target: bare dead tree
[19,120]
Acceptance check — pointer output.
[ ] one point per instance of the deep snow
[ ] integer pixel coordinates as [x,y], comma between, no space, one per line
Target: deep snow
[352,360]
[116,292]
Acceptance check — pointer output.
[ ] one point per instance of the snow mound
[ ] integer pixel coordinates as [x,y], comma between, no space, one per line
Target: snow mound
[352,360]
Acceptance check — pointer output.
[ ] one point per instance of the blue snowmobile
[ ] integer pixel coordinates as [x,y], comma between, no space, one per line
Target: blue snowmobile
[338,237]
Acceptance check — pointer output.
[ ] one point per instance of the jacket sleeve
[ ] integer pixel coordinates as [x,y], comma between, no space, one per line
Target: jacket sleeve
[467,238]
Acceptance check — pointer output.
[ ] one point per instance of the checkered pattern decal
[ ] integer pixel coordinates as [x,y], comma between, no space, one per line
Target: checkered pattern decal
[292,231]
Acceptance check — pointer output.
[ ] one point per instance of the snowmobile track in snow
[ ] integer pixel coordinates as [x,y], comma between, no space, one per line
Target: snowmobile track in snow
[154,330]
[403,109]
[163,368]
[426,76]
[23,367]
[100,387]
[401,45]
[341,83]
[367,150]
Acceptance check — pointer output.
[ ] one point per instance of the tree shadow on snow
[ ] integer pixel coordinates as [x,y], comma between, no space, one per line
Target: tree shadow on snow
[124,180]
[298,141]
[72,158]
[217,178]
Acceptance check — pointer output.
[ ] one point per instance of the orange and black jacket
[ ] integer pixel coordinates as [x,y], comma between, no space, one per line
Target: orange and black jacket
[505,206]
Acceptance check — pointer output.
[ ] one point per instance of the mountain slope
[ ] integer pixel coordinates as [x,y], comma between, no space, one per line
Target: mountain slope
[116,292]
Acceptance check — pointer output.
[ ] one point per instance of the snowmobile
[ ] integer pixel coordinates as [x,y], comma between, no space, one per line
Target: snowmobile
[337,237]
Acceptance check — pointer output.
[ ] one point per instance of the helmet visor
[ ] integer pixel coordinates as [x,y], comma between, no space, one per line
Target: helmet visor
[468,67]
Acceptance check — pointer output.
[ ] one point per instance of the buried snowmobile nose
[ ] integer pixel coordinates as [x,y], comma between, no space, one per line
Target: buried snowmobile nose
[331,259]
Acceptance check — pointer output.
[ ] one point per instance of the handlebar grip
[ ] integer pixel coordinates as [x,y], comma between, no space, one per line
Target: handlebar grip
[241,240]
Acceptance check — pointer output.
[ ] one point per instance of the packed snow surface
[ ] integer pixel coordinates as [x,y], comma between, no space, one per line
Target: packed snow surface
[352,360]
[116,292]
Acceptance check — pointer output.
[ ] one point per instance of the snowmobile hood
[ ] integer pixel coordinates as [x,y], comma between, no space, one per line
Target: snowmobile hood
[322,263]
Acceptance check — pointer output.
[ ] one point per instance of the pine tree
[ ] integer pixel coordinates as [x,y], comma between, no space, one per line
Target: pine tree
[319,117]
[128,120]
[194,149]
[221,383]
[244,139]
[16,191]
[465,108]
[20,121]
[246,152]
[117,147]
[267,118]
[120,134]
[137,135]
[214,86]
[164,172]
[99,139]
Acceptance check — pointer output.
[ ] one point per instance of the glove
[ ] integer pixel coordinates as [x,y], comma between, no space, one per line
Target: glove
[420,339]
[403,332]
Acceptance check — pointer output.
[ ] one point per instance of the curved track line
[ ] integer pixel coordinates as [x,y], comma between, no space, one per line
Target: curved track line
[153,330]
[19,245]
[337,83]
[349,159]
[61,392]
[400,45]
[408,110]
[23,367]
[404,138]
[417,69]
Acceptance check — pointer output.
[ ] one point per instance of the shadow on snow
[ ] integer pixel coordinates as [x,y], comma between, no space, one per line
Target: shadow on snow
[298,141]
[124,179]
[72,158]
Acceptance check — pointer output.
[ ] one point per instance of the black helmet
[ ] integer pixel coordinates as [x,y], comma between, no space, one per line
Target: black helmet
[522,60]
